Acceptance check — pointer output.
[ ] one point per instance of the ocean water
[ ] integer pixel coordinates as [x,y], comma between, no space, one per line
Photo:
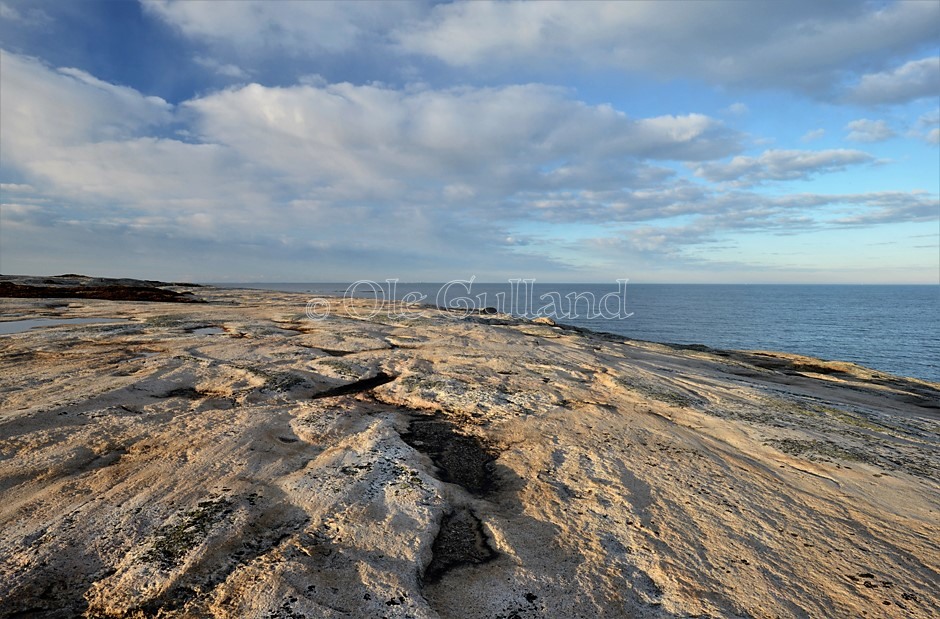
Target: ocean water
[894,329]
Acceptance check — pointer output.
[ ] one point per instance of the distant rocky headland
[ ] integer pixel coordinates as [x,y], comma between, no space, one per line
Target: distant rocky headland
[207,452]
[73,286]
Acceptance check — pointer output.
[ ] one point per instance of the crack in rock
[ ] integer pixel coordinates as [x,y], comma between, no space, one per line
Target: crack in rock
[357,387]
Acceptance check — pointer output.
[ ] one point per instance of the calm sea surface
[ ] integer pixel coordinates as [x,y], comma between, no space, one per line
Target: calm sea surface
[890,328]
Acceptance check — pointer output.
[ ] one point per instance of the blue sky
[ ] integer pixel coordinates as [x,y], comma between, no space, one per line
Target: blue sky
[753,142]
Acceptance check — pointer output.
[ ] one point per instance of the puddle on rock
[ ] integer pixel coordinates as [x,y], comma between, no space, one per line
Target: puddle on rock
[208,331]
[462,459]
[461,541]
[19,326]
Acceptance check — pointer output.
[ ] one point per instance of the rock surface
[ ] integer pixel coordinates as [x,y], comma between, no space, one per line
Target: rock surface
[420,463]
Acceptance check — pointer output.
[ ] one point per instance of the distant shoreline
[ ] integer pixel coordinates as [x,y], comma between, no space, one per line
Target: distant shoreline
[663,314]
[894,328]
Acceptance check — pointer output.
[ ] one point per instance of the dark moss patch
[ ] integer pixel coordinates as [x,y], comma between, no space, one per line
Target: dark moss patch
[662,392]
[173,541]
[816,368]
[821,450]
[280,382]
[187,393]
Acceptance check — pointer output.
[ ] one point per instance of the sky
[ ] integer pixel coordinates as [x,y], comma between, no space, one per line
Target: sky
[275,141]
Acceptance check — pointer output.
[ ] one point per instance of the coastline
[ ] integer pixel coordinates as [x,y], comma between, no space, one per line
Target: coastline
[887,328]
[445,467]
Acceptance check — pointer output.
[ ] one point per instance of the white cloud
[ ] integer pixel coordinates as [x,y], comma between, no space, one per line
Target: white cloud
[42,109]
[781,165]
[803,45]
[892,207]
[85,141]
[912,80]
[865,130]
[929,119]
[300,28]
[737,109]
[933,136]
[813,135]
[16,188]
[226,70]
[318,173]
[929,123]
[309,167]
[31,17]
[9,12]
[720,213]
[375,141]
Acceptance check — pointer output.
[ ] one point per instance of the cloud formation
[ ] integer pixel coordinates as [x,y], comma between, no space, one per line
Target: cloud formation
[343,142]
[865,130]
[31,17]
[813,134]
[930,124]
[912,80]
[43,108]
[417,178]
[317,170]
[223,69]
[295,28]
[723,213]
[781,165]
[803,45]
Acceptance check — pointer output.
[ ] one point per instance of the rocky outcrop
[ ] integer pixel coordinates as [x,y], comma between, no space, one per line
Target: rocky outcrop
[235,459]
[81,287]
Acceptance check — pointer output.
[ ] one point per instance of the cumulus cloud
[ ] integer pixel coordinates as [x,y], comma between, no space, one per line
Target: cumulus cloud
[318,173]
[362,141]
[913,80]
[340,141]
[865,130]
[780,165]
[42,109]
[318,170]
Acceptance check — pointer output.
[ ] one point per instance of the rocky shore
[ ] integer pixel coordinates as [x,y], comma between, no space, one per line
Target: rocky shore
[234,458]
[83,287]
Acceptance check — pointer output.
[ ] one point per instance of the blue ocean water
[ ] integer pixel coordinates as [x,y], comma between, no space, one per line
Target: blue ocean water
[894,329]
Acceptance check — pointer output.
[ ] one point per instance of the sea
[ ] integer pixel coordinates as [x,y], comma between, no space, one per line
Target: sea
[891,328]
